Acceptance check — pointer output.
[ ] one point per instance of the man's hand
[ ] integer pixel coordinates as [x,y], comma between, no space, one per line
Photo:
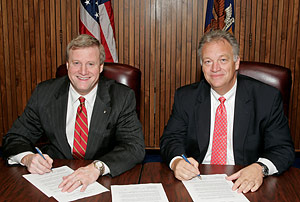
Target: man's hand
[36,164]
[183,170]
[248,178]
[82,176]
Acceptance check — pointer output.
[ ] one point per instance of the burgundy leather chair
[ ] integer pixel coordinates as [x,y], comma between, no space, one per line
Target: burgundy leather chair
[273,75]
[122,73]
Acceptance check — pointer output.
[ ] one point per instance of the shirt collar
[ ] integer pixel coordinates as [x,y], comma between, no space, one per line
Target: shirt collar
[89,98]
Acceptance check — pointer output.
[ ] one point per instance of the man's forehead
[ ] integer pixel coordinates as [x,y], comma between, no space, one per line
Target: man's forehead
[74,48]
[225,49]
[219,41]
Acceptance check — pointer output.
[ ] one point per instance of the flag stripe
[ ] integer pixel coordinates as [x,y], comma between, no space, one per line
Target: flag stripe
[110,14]
[108,56]
[107,30]
[84,30]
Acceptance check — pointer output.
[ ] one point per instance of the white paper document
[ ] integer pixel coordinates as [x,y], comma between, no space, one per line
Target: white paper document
[213,188]
[153,192]
[48,184]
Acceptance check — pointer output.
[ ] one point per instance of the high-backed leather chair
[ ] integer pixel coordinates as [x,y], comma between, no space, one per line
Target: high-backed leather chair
[273,75]
[122,73]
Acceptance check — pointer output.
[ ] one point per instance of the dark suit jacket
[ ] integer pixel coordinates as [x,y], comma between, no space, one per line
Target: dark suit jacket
[115,133]
[260,127]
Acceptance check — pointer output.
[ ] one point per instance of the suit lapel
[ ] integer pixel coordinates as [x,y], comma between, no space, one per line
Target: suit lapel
[241,120]
[202,118]
[58,110]
[101,112]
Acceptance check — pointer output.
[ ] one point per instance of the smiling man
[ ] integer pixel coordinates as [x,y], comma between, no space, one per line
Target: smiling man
[84,116]
[227,119]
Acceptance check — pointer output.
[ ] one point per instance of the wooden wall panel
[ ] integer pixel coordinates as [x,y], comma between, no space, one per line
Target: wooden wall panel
[295,67]
[160,37]
[33,38]
[3,115]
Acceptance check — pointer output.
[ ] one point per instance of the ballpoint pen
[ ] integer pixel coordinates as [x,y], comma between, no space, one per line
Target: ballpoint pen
[183,156]
[40,153]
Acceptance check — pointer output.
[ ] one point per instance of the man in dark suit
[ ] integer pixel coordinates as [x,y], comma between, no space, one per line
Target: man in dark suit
[246,127]
[113,133]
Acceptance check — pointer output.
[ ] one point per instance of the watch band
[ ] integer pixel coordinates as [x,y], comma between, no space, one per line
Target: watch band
[265,169]
[100,166]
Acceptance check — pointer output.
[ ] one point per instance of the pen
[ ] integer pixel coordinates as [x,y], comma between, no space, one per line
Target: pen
[183,156]
[40,153]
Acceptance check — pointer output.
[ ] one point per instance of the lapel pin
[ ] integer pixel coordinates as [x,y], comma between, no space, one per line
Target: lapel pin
[104,111]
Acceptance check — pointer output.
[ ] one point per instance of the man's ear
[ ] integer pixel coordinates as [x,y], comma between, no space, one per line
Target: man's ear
[67,65]
[101,67]
[237,63]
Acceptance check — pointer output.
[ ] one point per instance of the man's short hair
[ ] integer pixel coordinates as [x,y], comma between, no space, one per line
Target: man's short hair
[216,35]
[84,41]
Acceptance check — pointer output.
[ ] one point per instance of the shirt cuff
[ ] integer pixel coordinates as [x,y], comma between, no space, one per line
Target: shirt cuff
[272,168]
[16,159]
[106,169]
[173,159]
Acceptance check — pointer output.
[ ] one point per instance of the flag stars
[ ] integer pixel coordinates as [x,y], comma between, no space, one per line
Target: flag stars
[87,2]
[97,15]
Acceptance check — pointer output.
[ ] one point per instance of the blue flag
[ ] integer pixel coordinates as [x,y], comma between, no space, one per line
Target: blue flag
[220,15]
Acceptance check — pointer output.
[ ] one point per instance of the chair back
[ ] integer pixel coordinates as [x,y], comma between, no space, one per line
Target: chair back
[122,73]
[273,75]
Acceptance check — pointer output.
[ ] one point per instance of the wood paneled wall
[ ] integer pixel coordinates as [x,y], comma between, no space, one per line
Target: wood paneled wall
[159,37]
[33,39]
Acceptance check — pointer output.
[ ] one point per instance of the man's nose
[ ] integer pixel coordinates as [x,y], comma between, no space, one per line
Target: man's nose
[215,67]
[83,70]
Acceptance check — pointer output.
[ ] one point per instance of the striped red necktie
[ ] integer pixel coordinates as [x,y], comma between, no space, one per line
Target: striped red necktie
[219,145]
[81,131]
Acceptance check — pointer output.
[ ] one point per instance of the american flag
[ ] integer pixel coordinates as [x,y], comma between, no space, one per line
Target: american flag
[97,20]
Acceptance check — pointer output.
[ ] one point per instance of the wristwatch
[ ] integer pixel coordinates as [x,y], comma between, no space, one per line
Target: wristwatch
[265,169]
[100,166]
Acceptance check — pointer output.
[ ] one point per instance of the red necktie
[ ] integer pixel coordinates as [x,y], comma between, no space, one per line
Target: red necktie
[81,131]
[219,146]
